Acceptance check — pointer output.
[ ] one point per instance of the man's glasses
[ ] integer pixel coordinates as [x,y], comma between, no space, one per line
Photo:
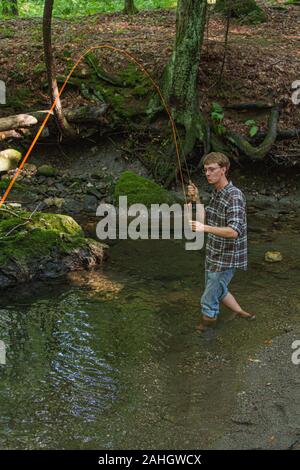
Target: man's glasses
[210,170]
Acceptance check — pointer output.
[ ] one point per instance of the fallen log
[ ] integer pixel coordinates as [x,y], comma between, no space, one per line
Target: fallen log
[257,106]
[10,123]
[87,114]
[23,133]
[84,114]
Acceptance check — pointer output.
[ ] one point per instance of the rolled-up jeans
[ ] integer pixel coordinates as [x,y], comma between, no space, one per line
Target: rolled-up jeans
[216,288]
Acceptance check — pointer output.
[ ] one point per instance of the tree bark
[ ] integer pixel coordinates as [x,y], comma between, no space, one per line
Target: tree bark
[130,8]
[66,129]
[179,81]
[10,7]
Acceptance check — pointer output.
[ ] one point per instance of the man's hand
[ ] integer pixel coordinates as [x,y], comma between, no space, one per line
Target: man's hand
[192,191]
[196,226]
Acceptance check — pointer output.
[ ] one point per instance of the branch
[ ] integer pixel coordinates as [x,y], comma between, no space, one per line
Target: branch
[19,225]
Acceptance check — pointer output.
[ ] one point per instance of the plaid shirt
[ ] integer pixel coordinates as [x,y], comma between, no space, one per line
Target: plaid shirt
[227,208]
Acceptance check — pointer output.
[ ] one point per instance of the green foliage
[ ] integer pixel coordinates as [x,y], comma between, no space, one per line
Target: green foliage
[217,112]
[9,7]
[73,8]
[39,68]
[217,115]
[253,127]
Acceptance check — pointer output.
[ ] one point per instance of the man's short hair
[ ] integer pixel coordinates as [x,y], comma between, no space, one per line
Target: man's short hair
[217,157]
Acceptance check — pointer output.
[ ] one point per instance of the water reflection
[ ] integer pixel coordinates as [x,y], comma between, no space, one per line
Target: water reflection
[111,359]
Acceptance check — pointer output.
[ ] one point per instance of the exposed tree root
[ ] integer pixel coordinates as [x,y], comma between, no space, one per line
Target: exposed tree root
[257,153]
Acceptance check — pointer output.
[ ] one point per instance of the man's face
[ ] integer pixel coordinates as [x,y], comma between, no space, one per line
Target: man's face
[214,172]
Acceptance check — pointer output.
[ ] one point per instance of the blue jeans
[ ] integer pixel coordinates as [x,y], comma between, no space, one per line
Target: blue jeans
[216,288]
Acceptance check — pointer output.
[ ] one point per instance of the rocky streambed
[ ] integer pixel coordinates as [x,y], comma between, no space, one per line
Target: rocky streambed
[77,186]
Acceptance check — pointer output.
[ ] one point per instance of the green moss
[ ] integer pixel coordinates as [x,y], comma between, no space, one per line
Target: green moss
[46,170]
[19,97]
[130,76]
[127,100]
[122,102]
[60,223]
[133,77]
[39,237]
[141,190]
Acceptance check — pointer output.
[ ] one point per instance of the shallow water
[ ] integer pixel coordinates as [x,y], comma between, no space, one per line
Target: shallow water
[111,359]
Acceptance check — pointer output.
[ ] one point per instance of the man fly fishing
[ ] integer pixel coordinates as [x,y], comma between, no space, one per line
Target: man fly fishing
[226,246]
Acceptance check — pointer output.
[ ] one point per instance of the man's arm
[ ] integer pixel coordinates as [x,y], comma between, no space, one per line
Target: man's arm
[225,232]
[235,219]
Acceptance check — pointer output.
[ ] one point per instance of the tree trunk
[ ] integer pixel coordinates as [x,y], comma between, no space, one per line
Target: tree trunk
[10,7]
[180,76]
[130,8]
[66,129]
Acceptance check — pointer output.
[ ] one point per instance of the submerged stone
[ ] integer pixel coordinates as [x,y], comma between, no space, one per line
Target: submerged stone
[273,256]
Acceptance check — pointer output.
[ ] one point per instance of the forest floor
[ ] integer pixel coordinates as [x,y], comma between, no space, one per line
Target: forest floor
[262,61]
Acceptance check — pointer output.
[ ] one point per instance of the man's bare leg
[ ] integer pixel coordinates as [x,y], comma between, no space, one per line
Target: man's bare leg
[230,302]
[206,323]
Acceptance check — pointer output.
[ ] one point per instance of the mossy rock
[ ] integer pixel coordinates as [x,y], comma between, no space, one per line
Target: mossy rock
[42,246]
[141,190]
[46,170]
[247,11]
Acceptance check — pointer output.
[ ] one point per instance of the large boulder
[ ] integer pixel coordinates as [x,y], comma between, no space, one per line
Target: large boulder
[43,246]
[141,190]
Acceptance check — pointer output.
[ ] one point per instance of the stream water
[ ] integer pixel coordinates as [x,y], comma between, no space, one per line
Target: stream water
[111,359]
